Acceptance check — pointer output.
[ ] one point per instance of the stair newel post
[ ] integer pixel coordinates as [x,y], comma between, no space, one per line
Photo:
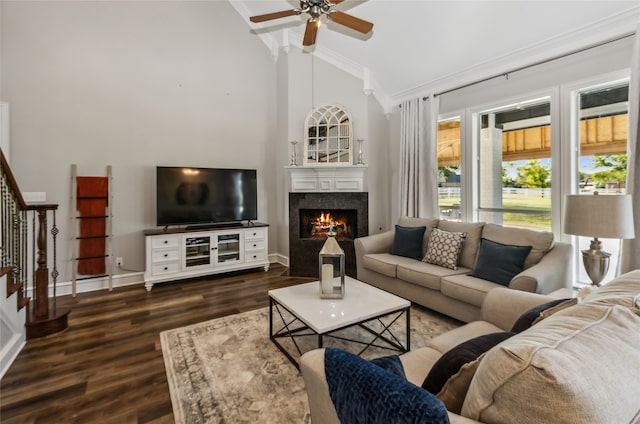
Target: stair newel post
[42,273]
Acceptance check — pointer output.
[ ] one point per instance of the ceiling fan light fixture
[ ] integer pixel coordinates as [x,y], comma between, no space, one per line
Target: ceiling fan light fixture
[316,9]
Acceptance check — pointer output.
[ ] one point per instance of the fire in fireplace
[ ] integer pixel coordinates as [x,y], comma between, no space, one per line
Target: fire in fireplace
[319,223]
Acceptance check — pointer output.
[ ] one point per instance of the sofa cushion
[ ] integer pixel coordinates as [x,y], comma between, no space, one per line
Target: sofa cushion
[466,288]
[383,263]
[499,262]
[407,241]
[557,362]
[446,341]
[624,291]
[428,223]
[444,248]
[364,392]
[471,242]
[540,241]
[467,351]
[533,315]
[424,274]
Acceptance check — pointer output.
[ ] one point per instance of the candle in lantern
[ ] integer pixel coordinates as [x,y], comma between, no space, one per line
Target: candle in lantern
[327,278]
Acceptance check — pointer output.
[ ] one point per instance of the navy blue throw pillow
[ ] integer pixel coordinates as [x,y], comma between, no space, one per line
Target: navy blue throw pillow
[526,320]
[390,363]
[363,392]
[451,362]
[407,241]
[499,262]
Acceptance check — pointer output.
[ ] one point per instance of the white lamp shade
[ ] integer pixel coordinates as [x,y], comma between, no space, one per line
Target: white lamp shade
[602,216]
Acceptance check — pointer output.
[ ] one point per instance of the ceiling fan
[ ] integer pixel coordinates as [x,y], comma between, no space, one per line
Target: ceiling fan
[315,9]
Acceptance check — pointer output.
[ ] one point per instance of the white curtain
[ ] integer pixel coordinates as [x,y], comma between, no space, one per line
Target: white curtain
[630,253]
[418,158]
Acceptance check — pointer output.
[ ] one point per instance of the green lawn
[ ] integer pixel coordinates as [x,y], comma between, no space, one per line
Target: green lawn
[532,201]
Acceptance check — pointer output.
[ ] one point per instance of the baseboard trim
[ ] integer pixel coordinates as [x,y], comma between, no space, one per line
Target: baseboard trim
[279,258]
[93,284]
[10,352]
[121,280]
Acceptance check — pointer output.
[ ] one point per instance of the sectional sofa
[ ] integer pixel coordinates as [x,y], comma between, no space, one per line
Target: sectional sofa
[559,361]
[459,290]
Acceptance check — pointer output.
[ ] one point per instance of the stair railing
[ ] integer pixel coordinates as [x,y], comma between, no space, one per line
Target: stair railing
[44,317]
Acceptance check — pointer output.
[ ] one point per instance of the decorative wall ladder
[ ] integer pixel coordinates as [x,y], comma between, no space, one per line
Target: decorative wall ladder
[91,205]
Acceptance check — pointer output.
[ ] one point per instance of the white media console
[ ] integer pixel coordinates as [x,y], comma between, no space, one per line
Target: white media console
[175,254]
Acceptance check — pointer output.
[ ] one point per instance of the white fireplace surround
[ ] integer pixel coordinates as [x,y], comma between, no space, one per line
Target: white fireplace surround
[325,178]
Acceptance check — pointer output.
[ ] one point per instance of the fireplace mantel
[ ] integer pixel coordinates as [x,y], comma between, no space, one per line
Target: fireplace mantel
[325,178]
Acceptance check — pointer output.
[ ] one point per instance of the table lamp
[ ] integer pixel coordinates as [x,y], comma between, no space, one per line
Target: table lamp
[605,216]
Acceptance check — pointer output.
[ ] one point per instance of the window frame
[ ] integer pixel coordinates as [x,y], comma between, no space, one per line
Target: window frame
[472,150]
[570,104]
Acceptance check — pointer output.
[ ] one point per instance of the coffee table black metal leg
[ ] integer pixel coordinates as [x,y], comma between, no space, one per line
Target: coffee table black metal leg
[271,318]
[408,312]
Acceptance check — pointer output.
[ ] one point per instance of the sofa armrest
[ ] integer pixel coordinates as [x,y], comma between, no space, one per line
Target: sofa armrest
[553,272]
[320,404]
[315,381]
[376,243]
[503,306]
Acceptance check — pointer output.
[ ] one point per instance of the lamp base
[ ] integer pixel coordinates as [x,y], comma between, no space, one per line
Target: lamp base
[596,262]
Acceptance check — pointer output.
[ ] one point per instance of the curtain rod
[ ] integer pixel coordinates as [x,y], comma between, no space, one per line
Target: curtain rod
[541,62]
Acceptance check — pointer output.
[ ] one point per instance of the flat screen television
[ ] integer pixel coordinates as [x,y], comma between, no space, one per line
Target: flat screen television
[205,196]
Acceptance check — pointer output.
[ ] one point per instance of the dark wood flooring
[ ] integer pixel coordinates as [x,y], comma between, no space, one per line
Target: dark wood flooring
[108,366]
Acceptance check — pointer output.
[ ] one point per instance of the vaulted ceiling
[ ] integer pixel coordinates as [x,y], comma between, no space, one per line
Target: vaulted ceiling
[421,46]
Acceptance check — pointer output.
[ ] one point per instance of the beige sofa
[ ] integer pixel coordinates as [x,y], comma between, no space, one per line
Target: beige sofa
[454,292]
[577,365]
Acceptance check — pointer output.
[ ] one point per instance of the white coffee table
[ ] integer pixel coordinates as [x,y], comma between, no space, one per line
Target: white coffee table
[315,316]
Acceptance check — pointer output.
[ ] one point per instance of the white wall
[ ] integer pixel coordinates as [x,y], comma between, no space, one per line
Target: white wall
[141,84]
[134,85]
[598,61]
[311,82]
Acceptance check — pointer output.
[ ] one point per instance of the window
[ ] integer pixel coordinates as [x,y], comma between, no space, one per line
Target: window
[601,146]
[449,169]
[514,164]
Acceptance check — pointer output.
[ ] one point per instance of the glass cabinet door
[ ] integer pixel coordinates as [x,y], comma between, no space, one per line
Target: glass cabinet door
[228,248]
[197,251]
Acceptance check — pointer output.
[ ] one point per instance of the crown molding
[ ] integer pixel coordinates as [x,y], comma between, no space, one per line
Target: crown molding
[268,40]
[285,38]
[611,27]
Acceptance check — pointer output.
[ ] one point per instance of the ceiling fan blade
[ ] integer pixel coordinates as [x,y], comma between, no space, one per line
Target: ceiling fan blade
[274,15]
[351,21]
[336,1]
[310,33]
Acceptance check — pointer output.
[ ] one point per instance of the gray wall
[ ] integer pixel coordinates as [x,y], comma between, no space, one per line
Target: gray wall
[141,84]
[133,85]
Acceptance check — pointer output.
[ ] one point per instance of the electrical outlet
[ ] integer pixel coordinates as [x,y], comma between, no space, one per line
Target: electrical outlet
[119,262]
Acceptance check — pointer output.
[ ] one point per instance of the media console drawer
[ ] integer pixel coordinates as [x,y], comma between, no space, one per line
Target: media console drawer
[174,254]
[255,234]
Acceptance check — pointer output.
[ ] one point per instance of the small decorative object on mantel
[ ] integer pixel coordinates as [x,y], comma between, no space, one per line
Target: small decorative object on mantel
[294,158]
[360,155]
[331,262]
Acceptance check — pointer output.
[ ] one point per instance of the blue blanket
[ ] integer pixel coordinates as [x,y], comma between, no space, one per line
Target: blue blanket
[363,392]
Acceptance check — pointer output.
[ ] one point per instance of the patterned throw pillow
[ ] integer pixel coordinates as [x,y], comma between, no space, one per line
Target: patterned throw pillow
[444,248]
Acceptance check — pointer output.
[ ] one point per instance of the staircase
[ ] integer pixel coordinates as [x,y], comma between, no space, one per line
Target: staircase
[24,253]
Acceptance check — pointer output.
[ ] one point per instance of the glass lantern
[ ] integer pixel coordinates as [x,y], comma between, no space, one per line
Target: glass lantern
[331,270]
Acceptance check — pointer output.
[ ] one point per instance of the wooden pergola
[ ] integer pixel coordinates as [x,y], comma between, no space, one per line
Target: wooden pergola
[598,136]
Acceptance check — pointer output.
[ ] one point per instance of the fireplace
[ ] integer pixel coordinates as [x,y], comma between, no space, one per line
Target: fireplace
[313,216]
[321,223]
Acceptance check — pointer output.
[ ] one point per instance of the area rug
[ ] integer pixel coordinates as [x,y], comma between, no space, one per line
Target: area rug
[227,370]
